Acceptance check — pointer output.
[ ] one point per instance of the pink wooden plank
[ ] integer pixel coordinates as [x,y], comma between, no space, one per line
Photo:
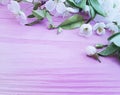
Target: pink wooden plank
[36,61]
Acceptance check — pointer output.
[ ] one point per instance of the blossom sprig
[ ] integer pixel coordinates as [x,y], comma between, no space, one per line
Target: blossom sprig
[91,51]
[111,49]
[94,9]
[85,30]
[61,7]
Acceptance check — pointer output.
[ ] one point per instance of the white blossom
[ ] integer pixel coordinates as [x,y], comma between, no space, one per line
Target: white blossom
[101,1]
[112,27]
[72,10]
[87,9]
[91,50]
[112,9]
[21,17]
[14,7]
[99,28]
[85,30]
[57,5]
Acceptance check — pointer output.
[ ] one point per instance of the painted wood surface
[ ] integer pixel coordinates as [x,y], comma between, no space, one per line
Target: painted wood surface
[36,61]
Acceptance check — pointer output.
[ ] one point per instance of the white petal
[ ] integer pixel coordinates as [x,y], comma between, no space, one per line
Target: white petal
[14,7]
[97,25]
[22,15]
[62,0]
[72,10]
[90,50]
[101,1]
[50,5]
[112,27]
[87,8]
[117,19]
[99,18]
[22,18]
[85,30]
[60,8]
[66,14]
[112,9]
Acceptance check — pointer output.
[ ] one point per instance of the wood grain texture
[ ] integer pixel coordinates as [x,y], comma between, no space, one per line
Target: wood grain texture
[36,61]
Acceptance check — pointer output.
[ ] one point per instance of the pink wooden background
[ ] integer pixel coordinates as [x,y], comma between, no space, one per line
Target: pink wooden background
[36,61]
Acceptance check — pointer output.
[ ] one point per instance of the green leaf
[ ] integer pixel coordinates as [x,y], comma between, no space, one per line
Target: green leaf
[110,50]
[18,0]
[115,38]
[51,26]
[81,4]
[114,35]
[39,14]
[92,12]
[49,17]
[72,3]
[33,23]
[72,22]
[31,16]
[97,7]
[36,6]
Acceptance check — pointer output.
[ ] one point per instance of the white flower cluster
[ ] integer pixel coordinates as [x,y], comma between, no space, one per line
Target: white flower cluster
[51,5]
[62,7]
[112,8]
[14,7]
[59,7]
[100,28]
